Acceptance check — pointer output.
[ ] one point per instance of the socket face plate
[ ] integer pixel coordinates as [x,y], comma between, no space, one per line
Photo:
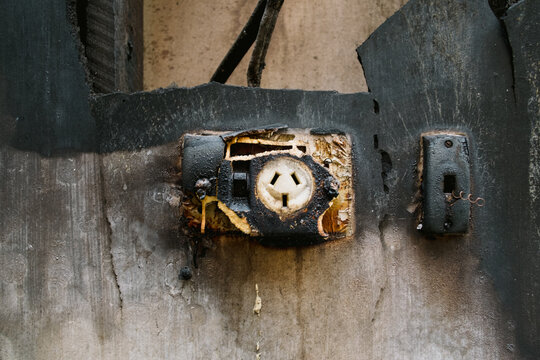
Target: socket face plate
[273,182]
[285,185]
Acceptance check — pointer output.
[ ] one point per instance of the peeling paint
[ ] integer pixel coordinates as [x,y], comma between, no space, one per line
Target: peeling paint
[240,222]
[258,302]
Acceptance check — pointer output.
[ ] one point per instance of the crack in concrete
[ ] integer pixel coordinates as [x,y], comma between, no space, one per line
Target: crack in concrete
[299,316]
[382,224]
[377,309]
[511,55]
[109,232]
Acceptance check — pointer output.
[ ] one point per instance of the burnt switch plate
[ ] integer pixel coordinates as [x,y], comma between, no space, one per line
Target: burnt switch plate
[446,183]
[292,185]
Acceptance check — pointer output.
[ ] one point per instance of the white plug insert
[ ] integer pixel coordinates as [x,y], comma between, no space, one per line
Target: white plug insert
[285,185]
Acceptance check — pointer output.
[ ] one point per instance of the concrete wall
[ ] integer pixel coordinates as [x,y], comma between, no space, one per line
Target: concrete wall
[313,46]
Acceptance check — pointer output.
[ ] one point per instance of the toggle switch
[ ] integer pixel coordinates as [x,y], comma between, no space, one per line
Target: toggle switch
[445,178]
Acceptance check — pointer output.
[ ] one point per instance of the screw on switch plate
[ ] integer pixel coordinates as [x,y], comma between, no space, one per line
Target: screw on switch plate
[270,182]
[445,177]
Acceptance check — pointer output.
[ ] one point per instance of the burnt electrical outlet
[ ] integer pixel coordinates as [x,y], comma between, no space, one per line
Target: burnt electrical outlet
[272,182]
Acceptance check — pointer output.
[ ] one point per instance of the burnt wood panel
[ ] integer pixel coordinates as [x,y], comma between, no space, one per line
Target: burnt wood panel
[523,26]
[424,79]
[111,32]
[43,94]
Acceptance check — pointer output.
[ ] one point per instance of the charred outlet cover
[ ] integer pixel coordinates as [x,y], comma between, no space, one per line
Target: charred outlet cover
[285,187]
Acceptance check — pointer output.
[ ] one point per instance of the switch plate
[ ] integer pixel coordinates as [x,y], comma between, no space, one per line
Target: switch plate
[445,175]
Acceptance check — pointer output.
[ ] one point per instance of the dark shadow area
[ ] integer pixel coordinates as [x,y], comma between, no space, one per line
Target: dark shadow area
[110,33]
[499,7]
